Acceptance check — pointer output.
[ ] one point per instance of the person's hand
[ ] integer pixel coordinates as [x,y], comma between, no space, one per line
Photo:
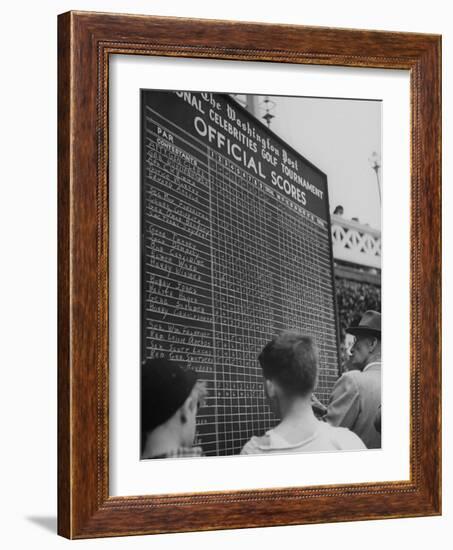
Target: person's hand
[318,408]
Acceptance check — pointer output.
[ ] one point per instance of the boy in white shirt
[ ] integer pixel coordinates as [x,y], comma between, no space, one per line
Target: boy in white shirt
[290,369]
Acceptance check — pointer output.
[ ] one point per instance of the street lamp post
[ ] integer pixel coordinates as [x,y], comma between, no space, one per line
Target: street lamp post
[268,105]
[375,163]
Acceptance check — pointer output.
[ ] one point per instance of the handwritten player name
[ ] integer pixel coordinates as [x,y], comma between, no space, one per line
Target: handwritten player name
[162,284]
[175,289]
[176,256]
[191,225]
[171,269]
[178,300]
[160,163]
[173,264]
[191,353]
[181,329]
[198,363]
[186,189]
[168,311]
[176,241]
[189,256]
[170,168]
[168,202]
[156,335]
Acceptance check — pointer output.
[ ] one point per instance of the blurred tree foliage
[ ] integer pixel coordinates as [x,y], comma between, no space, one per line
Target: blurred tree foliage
[353,299]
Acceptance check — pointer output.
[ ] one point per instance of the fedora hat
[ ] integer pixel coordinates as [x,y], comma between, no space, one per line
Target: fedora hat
[370,323]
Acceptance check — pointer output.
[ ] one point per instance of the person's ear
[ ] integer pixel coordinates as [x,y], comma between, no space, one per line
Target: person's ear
[187,408]
[372,344]
[184,411]
[270,388]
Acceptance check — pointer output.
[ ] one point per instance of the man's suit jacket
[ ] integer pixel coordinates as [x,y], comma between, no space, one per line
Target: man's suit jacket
[355,401]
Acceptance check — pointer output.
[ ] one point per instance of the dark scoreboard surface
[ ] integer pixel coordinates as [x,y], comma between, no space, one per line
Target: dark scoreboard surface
[235,247]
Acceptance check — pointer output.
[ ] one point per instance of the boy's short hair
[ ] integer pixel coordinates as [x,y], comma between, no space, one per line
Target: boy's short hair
[291,359]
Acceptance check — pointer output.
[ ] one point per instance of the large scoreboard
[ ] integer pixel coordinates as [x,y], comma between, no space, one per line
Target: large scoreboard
[236,246]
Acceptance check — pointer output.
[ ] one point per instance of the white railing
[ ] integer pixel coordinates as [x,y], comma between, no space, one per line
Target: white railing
[356,243]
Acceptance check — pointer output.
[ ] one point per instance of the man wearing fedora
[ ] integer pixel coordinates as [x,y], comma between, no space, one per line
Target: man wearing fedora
[356,396]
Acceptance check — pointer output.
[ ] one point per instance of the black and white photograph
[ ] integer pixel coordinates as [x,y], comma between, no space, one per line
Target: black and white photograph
[210,212]
[260,274]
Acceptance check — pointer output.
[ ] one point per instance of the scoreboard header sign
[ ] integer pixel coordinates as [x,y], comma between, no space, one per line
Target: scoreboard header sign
[222,125]
[236,247]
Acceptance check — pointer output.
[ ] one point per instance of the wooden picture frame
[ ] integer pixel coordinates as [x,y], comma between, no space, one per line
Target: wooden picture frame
[85,41]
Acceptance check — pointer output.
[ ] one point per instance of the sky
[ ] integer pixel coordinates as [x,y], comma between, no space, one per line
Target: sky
[338,136]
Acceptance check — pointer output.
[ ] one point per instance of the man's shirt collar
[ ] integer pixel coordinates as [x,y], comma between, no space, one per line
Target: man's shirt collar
[374,365]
